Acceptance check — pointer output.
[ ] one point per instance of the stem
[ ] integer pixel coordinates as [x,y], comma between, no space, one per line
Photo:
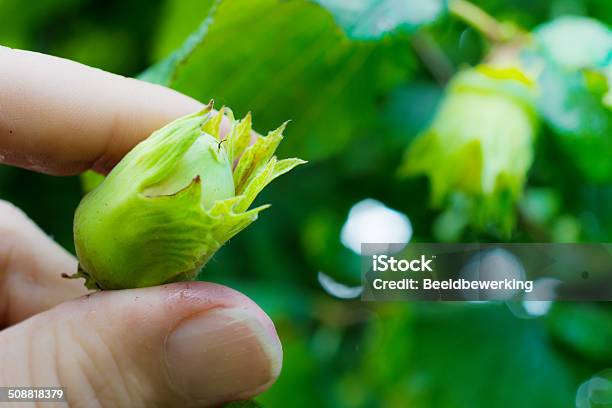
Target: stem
[433,57]
[479,19]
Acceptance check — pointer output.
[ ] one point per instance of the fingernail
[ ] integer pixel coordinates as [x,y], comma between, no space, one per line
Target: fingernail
[222,355]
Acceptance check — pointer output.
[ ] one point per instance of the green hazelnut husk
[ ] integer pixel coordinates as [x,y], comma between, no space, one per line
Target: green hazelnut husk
[173,201]
[479,145]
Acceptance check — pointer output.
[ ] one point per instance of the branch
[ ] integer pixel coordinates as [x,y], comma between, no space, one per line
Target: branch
[480,20]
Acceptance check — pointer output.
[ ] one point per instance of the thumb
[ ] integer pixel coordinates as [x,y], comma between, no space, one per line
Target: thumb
[185,344]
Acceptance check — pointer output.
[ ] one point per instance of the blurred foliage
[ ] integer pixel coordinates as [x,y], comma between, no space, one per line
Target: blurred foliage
[574,52]
[302,60]
[164,72]
[359,82]
[372,19]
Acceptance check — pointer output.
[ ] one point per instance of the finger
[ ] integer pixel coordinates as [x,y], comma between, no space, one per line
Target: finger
[185,344]
[62,117]
[30,268]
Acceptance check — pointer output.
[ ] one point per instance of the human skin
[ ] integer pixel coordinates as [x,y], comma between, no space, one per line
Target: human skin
[185,344]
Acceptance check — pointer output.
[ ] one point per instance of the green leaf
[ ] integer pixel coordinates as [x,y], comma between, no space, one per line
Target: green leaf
[491,359]
[585,328]
[571,102]
[372,19]
[607,99]
[287,60]
[594,203]
[573,54]
[575,42]
[20,30]
[164,71]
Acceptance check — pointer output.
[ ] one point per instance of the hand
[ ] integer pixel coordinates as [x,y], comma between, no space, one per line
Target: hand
[184,344]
